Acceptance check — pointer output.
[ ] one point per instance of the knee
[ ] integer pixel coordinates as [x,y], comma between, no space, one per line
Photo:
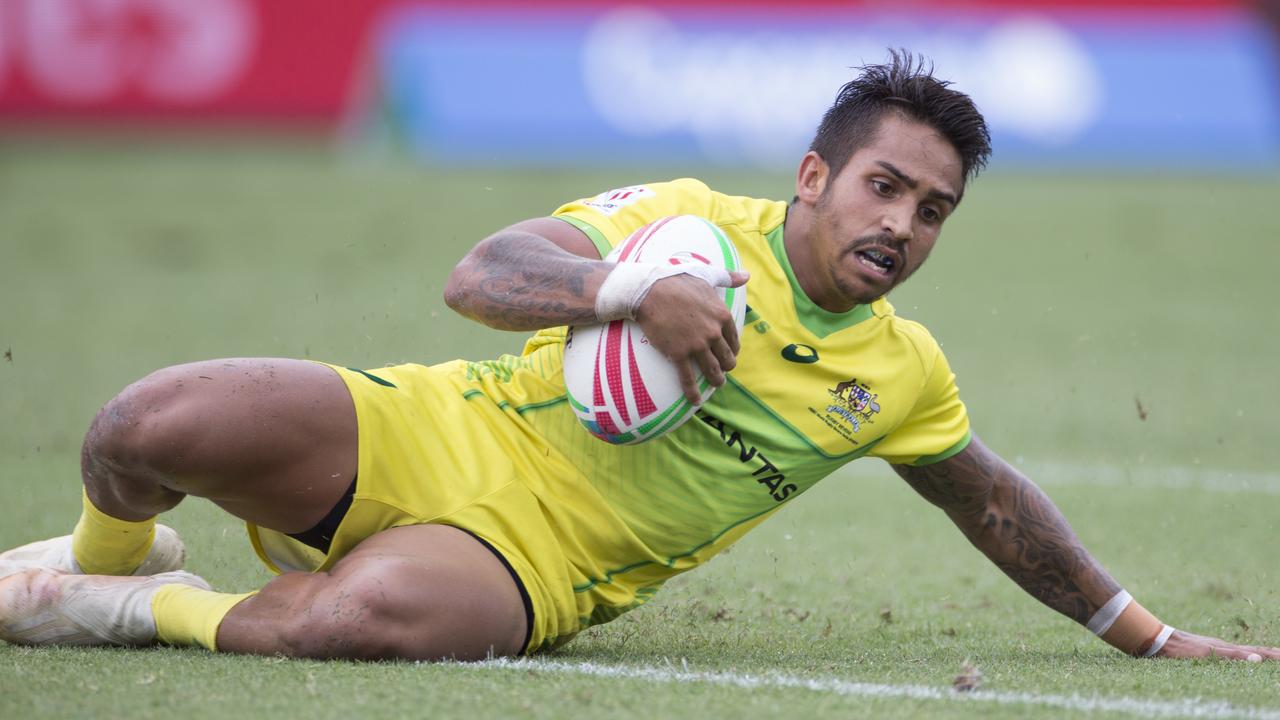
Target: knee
[139,427]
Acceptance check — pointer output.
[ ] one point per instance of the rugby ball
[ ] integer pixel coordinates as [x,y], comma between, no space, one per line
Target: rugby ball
[621,388]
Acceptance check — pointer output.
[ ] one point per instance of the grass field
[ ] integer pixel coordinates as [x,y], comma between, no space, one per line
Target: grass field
[1115,337]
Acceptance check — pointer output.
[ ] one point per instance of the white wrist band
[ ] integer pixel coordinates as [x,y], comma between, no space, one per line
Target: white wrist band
[1159,642]
[628,283]
[1107,614]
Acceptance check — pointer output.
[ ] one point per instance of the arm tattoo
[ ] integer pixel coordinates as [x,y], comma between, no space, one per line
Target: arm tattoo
[524,283]
[1018,527]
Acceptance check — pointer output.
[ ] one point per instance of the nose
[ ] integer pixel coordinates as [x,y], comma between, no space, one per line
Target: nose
[897,221]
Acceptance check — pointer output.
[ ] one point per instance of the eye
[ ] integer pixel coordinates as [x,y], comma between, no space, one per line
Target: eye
[930,215]
[882,188]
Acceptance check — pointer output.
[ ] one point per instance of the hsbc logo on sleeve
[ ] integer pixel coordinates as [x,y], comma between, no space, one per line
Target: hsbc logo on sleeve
[612,201]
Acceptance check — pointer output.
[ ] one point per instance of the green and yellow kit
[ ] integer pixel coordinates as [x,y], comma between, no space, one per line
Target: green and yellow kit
[592,529]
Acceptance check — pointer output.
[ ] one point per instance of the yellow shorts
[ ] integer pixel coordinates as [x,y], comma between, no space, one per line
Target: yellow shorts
[427,455]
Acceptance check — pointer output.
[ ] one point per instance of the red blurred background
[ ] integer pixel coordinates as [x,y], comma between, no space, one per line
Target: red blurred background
[301,60]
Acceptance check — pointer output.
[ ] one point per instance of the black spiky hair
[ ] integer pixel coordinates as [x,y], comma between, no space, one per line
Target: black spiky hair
[906,85]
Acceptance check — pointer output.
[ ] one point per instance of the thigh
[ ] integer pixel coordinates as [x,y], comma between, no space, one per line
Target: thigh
[422,592]
[272,441]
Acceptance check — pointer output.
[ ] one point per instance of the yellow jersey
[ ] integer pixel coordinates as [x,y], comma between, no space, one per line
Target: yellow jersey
[812,390]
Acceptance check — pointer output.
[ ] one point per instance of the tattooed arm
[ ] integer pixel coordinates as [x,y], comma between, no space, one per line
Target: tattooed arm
[545,272]
[1019,528]
[539,273]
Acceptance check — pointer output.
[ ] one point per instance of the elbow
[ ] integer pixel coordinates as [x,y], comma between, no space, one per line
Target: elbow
[459,288]
[986,522]
[977,514]
[974,522]
[455,292]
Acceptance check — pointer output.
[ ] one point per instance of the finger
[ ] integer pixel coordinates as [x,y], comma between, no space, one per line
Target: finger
[714,276]
[724,354]
[730,332]
[711,367]
[1235,652]
[738,278]
[688,380]
[1251,653]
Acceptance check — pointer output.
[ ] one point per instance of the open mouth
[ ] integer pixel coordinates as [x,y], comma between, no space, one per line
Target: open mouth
[877,261]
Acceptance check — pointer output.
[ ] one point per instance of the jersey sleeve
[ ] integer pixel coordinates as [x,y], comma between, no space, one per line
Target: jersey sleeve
[608,218]
[938,425]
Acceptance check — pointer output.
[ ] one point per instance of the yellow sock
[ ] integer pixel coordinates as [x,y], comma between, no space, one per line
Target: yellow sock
[186,615]
[104,545]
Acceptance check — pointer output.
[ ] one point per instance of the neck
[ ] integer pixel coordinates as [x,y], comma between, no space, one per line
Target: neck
[797,239]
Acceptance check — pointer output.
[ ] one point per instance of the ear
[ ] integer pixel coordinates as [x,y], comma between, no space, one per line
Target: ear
[812,178]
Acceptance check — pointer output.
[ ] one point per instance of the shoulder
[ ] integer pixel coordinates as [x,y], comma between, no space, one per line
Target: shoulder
[749,215]
[637,204]
[687,195]
[681,192]
[609,217]
[696,197]
[925,348]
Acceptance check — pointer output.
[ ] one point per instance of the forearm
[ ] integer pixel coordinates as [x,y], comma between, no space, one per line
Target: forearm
[518,280]
[1026,536]
[1018,527]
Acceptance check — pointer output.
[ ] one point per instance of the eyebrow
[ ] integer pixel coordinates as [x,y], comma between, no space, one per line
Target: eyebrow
[913,183]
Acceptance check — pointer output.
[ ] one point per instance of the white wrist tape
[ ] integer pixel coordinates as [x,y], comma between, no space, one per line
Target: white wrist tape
[628,283]
[1107,614]
[1159,642]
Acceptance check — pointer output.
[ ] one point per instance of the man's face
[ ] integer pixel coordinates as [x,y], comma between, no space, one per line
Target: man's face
[877,221]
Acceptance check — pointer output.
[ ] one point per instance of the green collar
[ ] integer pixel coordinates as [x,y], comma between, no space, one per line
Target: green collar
[818,321]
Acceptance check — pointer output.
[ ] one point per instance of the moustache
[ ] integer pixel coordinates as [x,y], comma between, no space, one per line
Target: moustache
[880,240]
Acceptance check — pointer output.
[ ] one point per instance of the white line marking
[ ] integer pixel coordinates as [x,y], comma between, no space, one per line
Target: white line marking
[1192,707]
[1171,477]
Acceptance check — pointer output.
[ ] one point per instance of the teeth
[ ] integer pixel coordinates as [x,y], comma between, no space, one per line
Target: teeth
[878,259]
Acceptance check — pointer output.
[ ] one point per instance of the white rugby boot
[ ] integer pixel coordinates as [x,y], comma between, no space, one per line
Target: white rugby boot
[167,553]
[46,607]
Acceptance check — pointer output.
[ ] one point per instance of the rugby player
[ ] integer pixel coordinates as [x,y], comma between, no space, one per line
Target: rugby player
[460,511]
